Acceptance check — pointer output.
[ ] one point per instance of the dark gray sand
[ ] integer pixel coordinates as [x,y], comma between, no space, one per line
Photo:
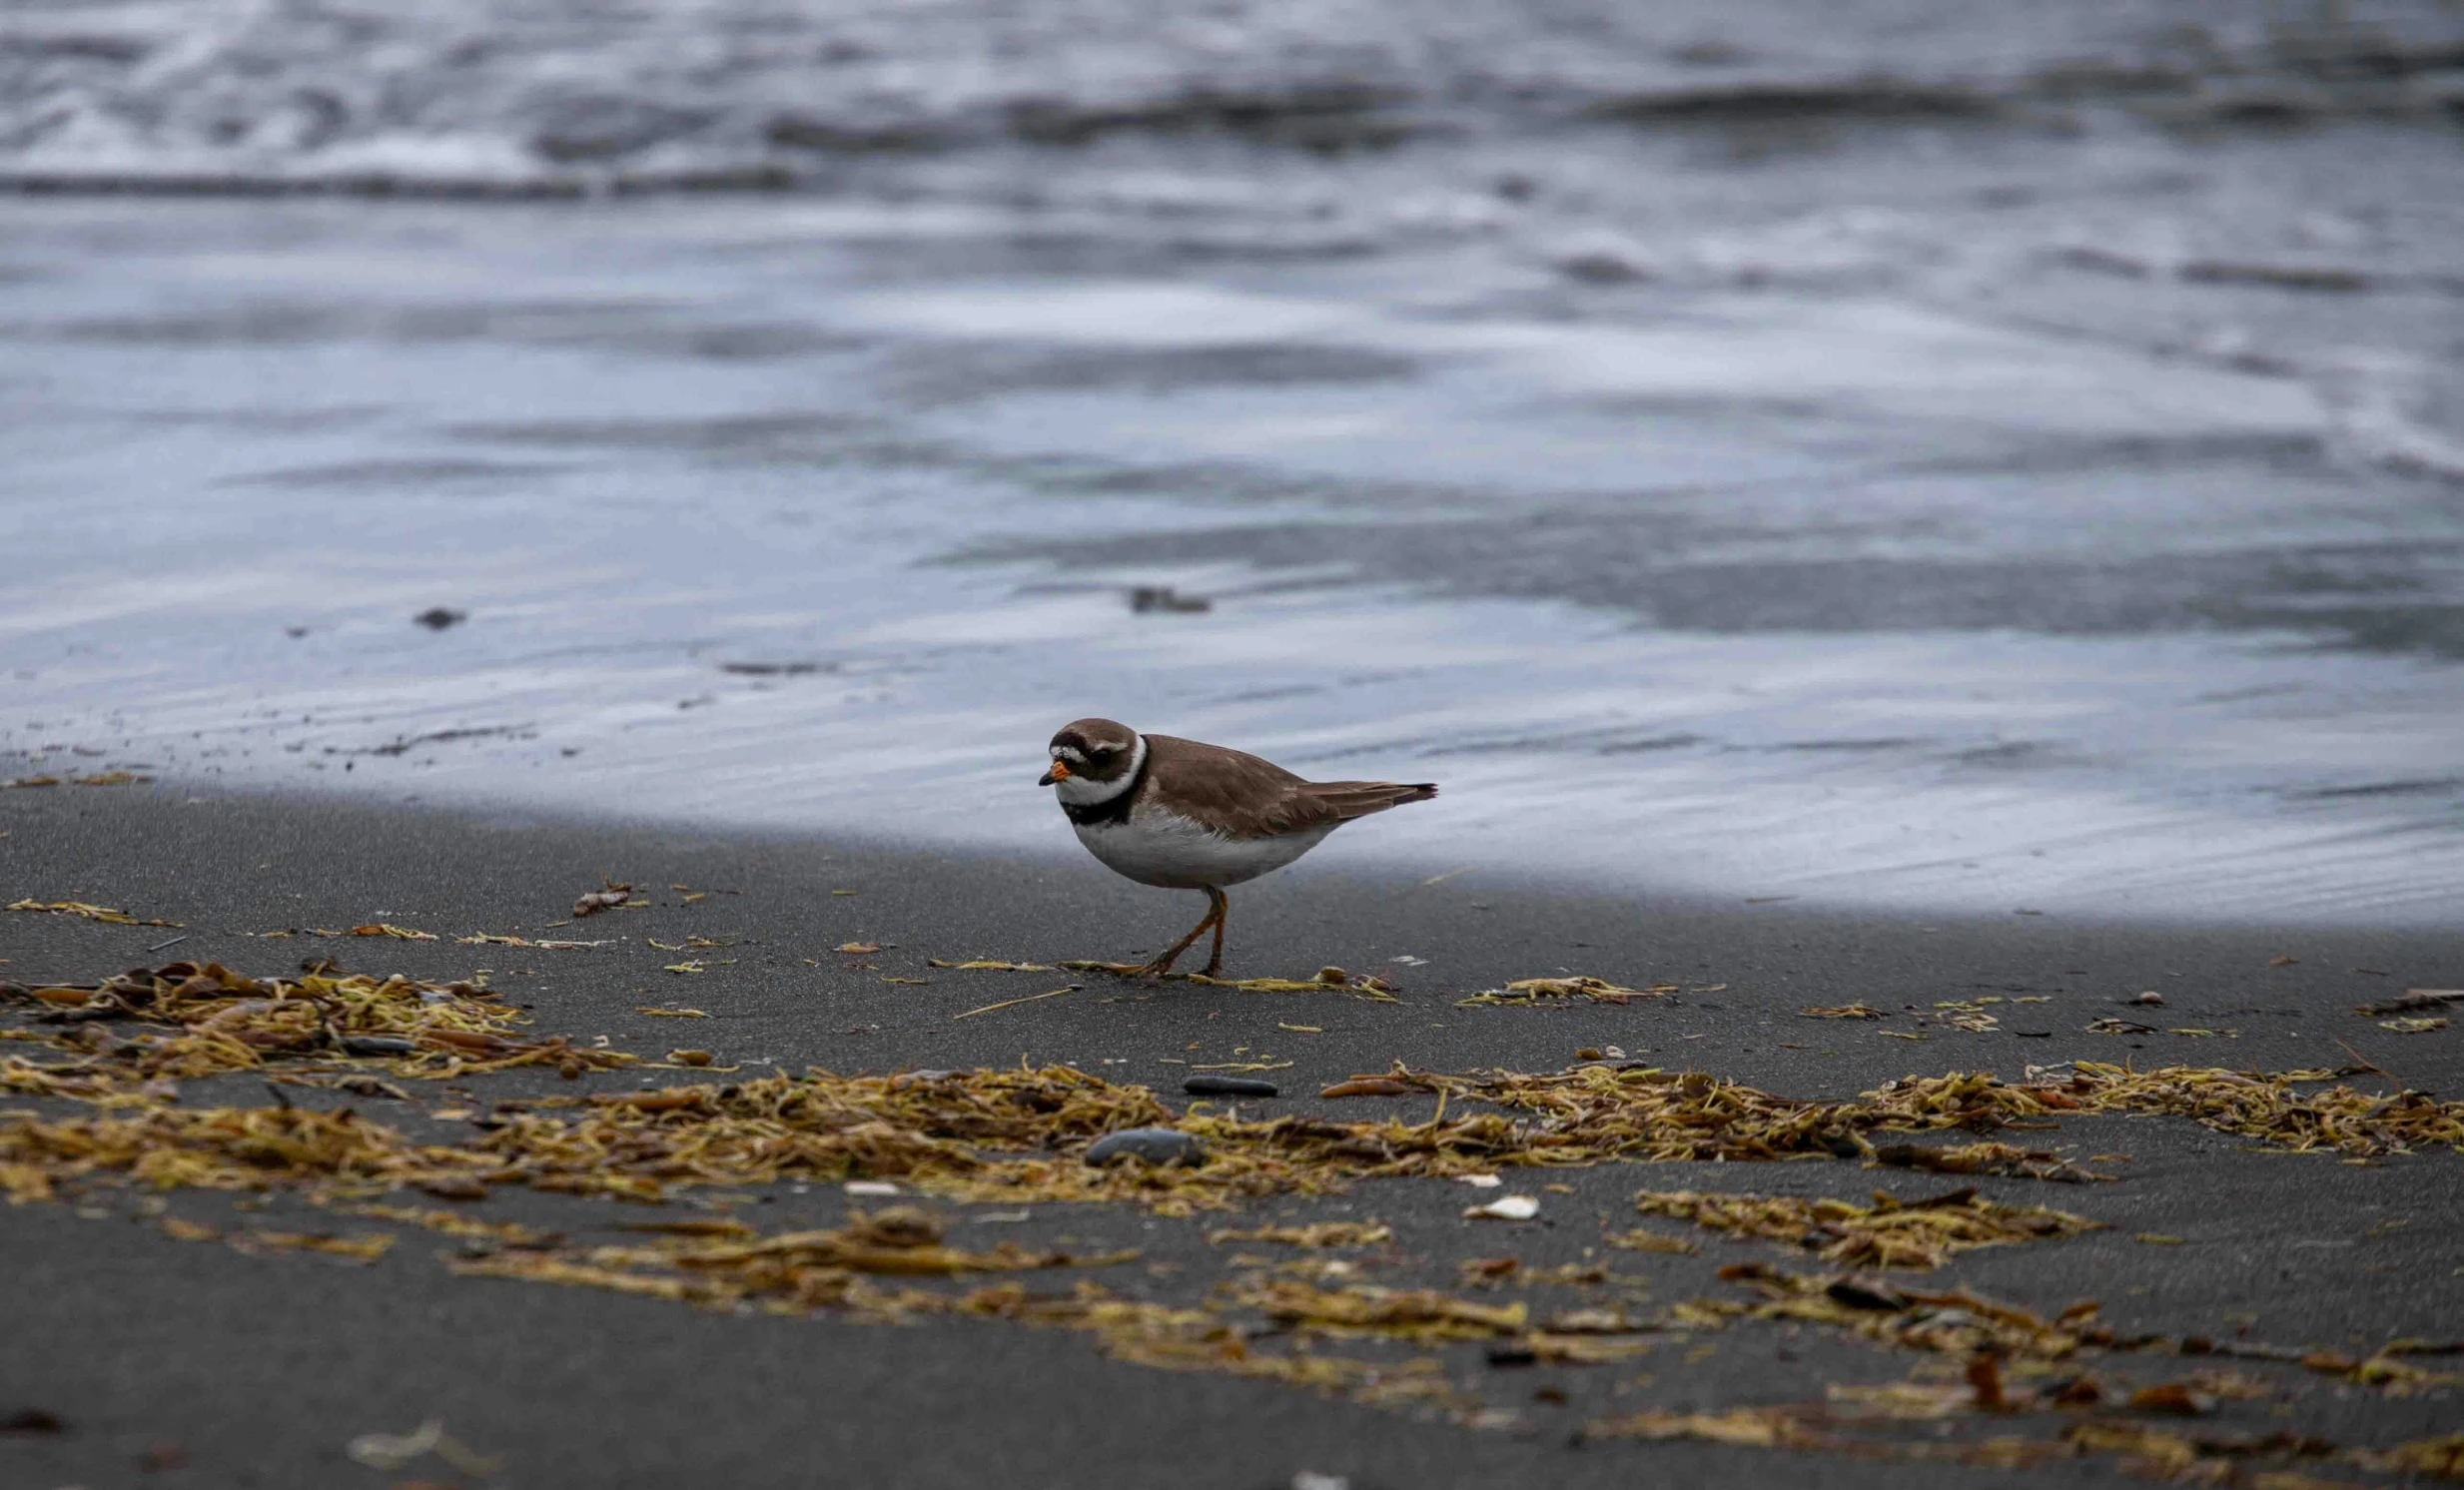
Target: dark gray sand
[261,1369]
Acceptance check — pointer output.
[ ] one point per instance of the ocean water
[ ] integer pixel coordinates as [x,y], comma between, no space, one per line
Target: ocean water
[1994,460]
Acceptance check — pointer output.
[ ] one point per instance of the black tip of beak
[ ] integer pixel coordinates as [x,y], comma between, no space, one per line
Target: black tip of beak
[1045,780]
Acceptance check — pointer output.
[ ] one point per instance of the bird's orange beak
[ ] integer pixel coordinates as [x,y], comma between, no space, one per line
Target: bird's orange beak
[1059,772]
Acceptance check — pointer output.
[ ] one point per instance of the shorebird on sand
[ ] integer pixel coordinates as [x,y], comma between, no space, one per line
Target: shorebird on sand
[1183,815]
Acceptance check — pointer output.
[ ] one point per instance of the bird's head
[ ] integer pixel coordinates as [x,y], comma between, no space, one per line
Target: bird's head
[1093,760]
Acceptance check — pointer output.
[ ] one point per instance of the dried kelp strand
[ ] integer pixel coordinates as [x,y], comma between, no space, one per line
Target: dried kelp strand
[1885,1233]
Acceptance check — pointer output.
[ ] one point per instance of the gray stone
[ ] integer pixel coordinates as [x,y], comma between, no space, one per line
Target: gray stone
[1156,1145]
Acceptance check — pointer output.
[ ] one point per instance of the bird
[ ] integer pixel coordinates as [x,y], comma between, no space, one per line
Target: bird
[1185,815]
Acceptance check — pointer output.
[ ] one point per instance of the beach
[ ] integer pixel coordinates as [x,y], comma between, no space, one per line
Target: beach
[1924,550]
[260,1368]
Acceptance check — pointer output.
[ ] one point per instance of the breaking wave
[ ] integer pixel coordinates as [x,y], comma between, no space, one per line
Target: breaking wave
[579,97]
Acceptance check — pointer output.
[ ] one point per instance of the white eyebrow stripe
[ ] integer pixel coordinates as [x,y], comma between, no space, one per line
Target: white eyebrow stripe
[1081,791]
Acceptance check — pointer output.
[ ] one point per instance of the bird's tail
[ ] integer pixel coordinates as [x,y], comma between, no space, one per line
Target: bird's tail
[1356,799]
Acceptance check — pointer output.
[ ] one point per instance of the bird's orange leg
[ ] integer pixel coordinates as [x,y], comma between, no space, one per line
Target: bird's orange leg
[1223,910]
[1216,906]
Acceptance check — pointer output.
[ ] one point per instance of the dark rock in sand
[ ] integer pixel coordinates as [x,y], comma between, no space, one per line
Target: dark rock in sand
[1156,1145]
[377,1044]
[1230,1087]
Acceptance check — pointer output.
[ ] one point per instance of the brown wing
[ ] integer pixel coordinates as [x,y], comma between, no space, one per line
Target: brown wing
[1255,798]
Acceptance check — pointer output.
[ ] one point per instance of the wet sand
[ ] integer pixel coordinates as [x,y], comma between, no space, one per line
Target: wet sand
[262,1369]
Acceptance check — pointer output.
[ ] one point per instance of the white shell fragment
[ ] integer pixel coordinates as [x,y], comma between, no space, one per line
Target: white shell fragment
[870,1188]
[1480,1182]
[1506,1208]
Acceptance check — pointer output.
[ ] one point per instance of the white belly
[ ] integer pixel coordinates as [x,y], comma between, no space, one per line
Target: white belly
[1168,850]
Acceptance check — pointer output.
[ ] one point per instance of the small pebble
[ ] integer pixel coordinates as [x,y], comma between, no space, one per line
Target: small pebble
[1156,1145]
[377,1044]
[1230,1087]
[2150,997]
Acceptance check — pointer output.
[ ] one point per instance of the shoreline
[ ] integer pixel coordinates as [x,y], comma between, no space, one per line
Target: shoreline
[1527,877]
[510,872]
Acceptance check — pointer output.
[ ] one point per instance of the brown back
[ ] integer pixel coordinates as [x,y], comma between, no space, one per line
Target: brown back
[1254,798]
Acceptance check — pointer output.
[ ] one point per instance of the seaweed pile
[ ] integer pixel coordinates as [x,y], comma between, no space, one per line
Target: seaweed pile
[1527,991]
[214,1020]
[2145,1450]
[2267,1109]
[791,1273]
[1644,1111]
[1316,1234]
[1888,1233]
[230,1149]
[1023,1134]
[2106,1418]
[123,1046]
[1952,1322]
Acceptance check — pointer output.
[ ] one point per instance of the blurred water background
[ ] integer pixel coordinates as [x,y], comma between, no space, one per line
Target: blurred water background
[1965,457]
